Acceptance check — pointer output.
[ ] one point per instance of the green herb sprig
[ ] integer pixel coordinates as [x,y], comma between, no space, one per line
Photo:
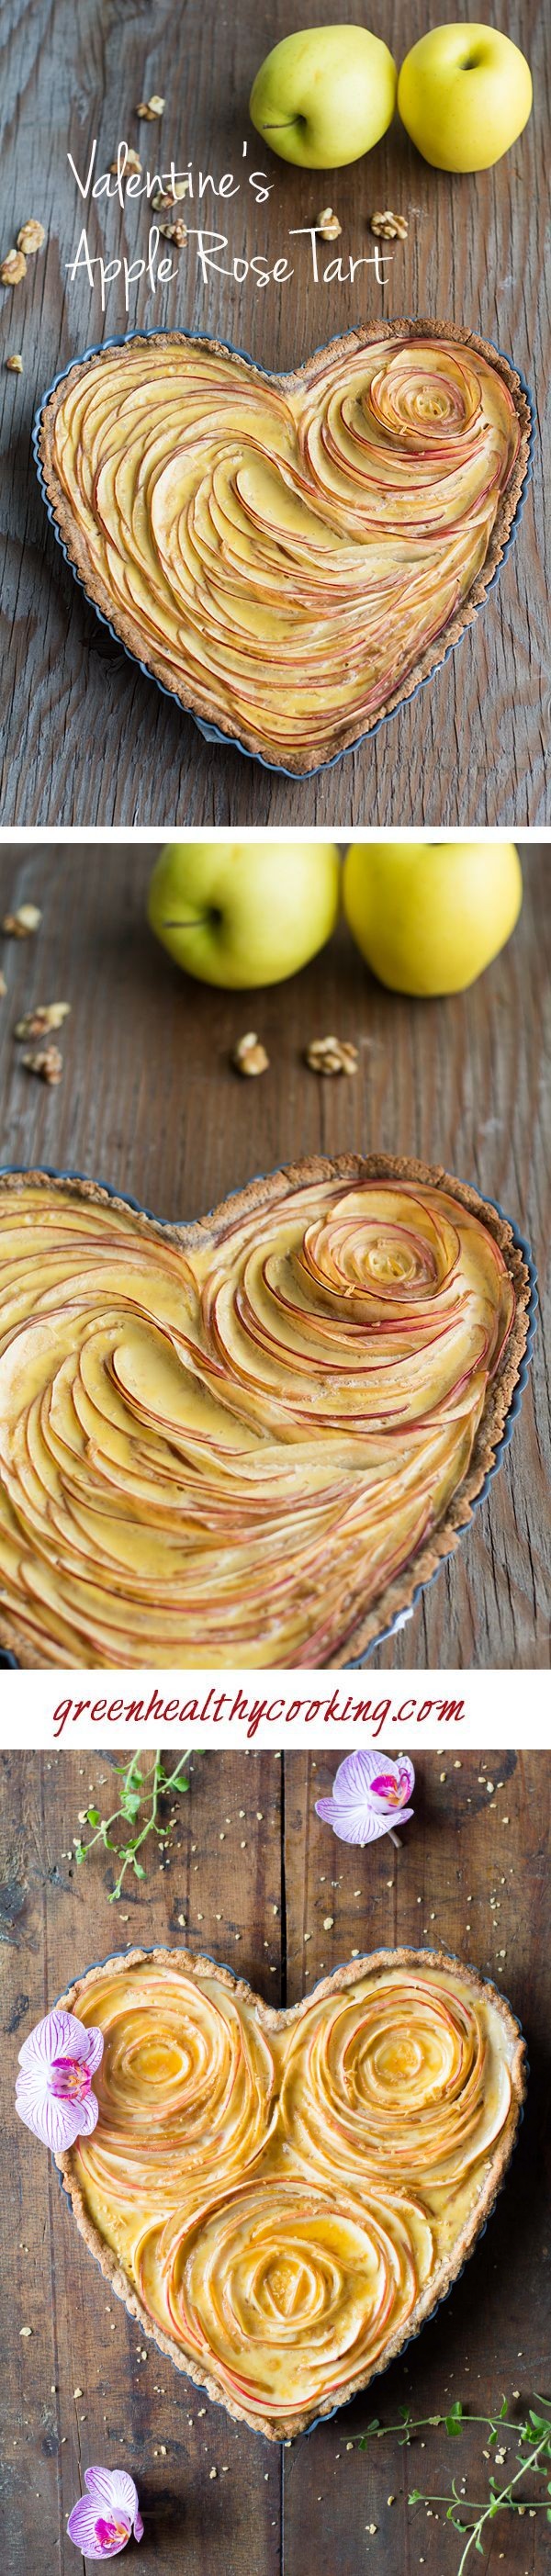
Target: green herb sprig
[532,2439]
[139,1808]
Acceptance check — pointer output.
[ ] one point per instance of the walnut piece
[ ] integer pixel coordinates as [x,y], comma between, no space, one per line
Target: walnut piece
[249,1056]
[21,924]
[331,1055]
[175,232]
[150,108]
[47,1015]
[13,268]
[48,1064]
[328,225]
[31,237]
[132,162]
[167,197]
[389,227]
[15,365]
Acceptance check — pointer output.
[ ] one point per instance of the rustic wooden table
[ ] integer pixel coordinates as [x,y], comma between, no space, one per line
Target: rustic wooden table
[76,2390]
[149,1102]
[88,740]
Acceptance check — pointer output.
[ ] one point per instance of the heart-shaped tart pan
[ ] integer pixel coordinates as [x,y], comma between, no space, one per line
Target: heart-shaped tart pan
[288,556]
[246,1441]
[282,2198]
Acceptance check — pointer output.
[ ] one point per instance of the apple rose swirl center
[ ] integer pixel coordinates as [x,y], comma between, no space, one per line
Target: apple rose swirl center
[401,1252]
[285,2294]
[429,407]
[186,2082]
[364,1315]
[402,2079]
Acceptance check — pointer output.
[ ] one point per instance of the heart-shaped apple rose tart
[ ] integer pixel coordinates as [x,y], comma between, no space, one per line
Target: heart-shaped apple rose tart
[244,1442]
[288,555]
[282,2197]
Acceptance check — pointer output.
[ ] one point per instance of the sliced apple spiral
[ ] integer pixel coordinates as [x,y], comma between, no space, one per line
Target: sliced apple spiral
[283,553]
[224,1452]
[404,2077]
[281,2197]
[288,2294]
[184,2086]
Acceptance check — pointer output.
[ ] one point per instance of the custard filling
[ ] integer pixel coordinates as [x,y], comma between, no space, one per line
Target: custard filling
[284,2200]
[284,555]
[222,1453]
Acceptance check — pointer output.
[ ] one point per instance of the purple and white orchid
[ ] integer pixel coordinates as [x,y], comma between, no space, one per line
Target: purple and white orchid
[53,2093]
[103,2520]
[369,1797]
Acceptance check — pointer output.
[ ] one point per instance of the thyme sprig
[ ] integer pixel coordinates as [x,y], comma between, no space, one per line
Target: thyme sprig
[139,1808]
[532,2439]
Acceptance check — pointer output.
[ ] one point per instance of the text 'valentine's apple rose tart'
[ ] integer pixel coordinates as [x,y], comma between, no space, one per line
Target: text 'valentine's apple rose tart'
[282,2197]
[243,1442]
[289,556]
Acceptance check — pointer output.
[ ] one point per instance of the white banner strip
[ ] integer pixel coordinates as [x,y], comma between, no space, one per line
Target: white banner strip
[118,1711]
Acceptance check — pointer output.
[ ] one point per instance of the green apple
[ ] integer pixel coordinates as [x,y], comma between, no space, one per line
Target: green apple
[240,913]
[430,915]
[464,93]
[324,96]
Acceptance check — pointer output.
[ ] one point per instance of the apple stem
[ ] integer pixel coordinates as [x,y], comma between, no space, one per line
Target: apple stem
[196,923]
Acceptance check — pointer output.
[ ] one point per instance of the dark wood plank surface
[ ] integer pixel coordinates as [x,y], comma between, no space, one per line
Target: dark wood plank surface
[150,1103]
[253,1872]
[88,740]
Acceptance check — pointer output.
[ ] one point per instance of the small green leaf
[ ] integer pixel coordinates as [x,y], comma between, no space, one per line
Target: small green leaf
[138,1870]
[452,2425]
[93,1815]
[416,2496]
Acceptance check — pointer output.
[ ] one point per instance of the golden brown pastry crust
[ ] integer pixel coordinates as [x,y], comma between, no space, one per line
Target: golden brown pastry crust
[443,1541]
[271,2017]
[291,383]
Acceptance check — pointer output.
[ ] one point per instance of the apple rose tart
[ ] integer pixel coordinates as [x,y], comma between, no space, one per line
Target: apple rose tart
[281,2216]
[289,556]
[244,1442]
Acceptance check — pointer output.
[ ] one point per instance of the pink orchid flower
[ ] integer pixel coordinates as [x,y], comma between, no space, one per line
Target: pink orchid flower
[53,2093]
[103,2520]
[369,1797]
